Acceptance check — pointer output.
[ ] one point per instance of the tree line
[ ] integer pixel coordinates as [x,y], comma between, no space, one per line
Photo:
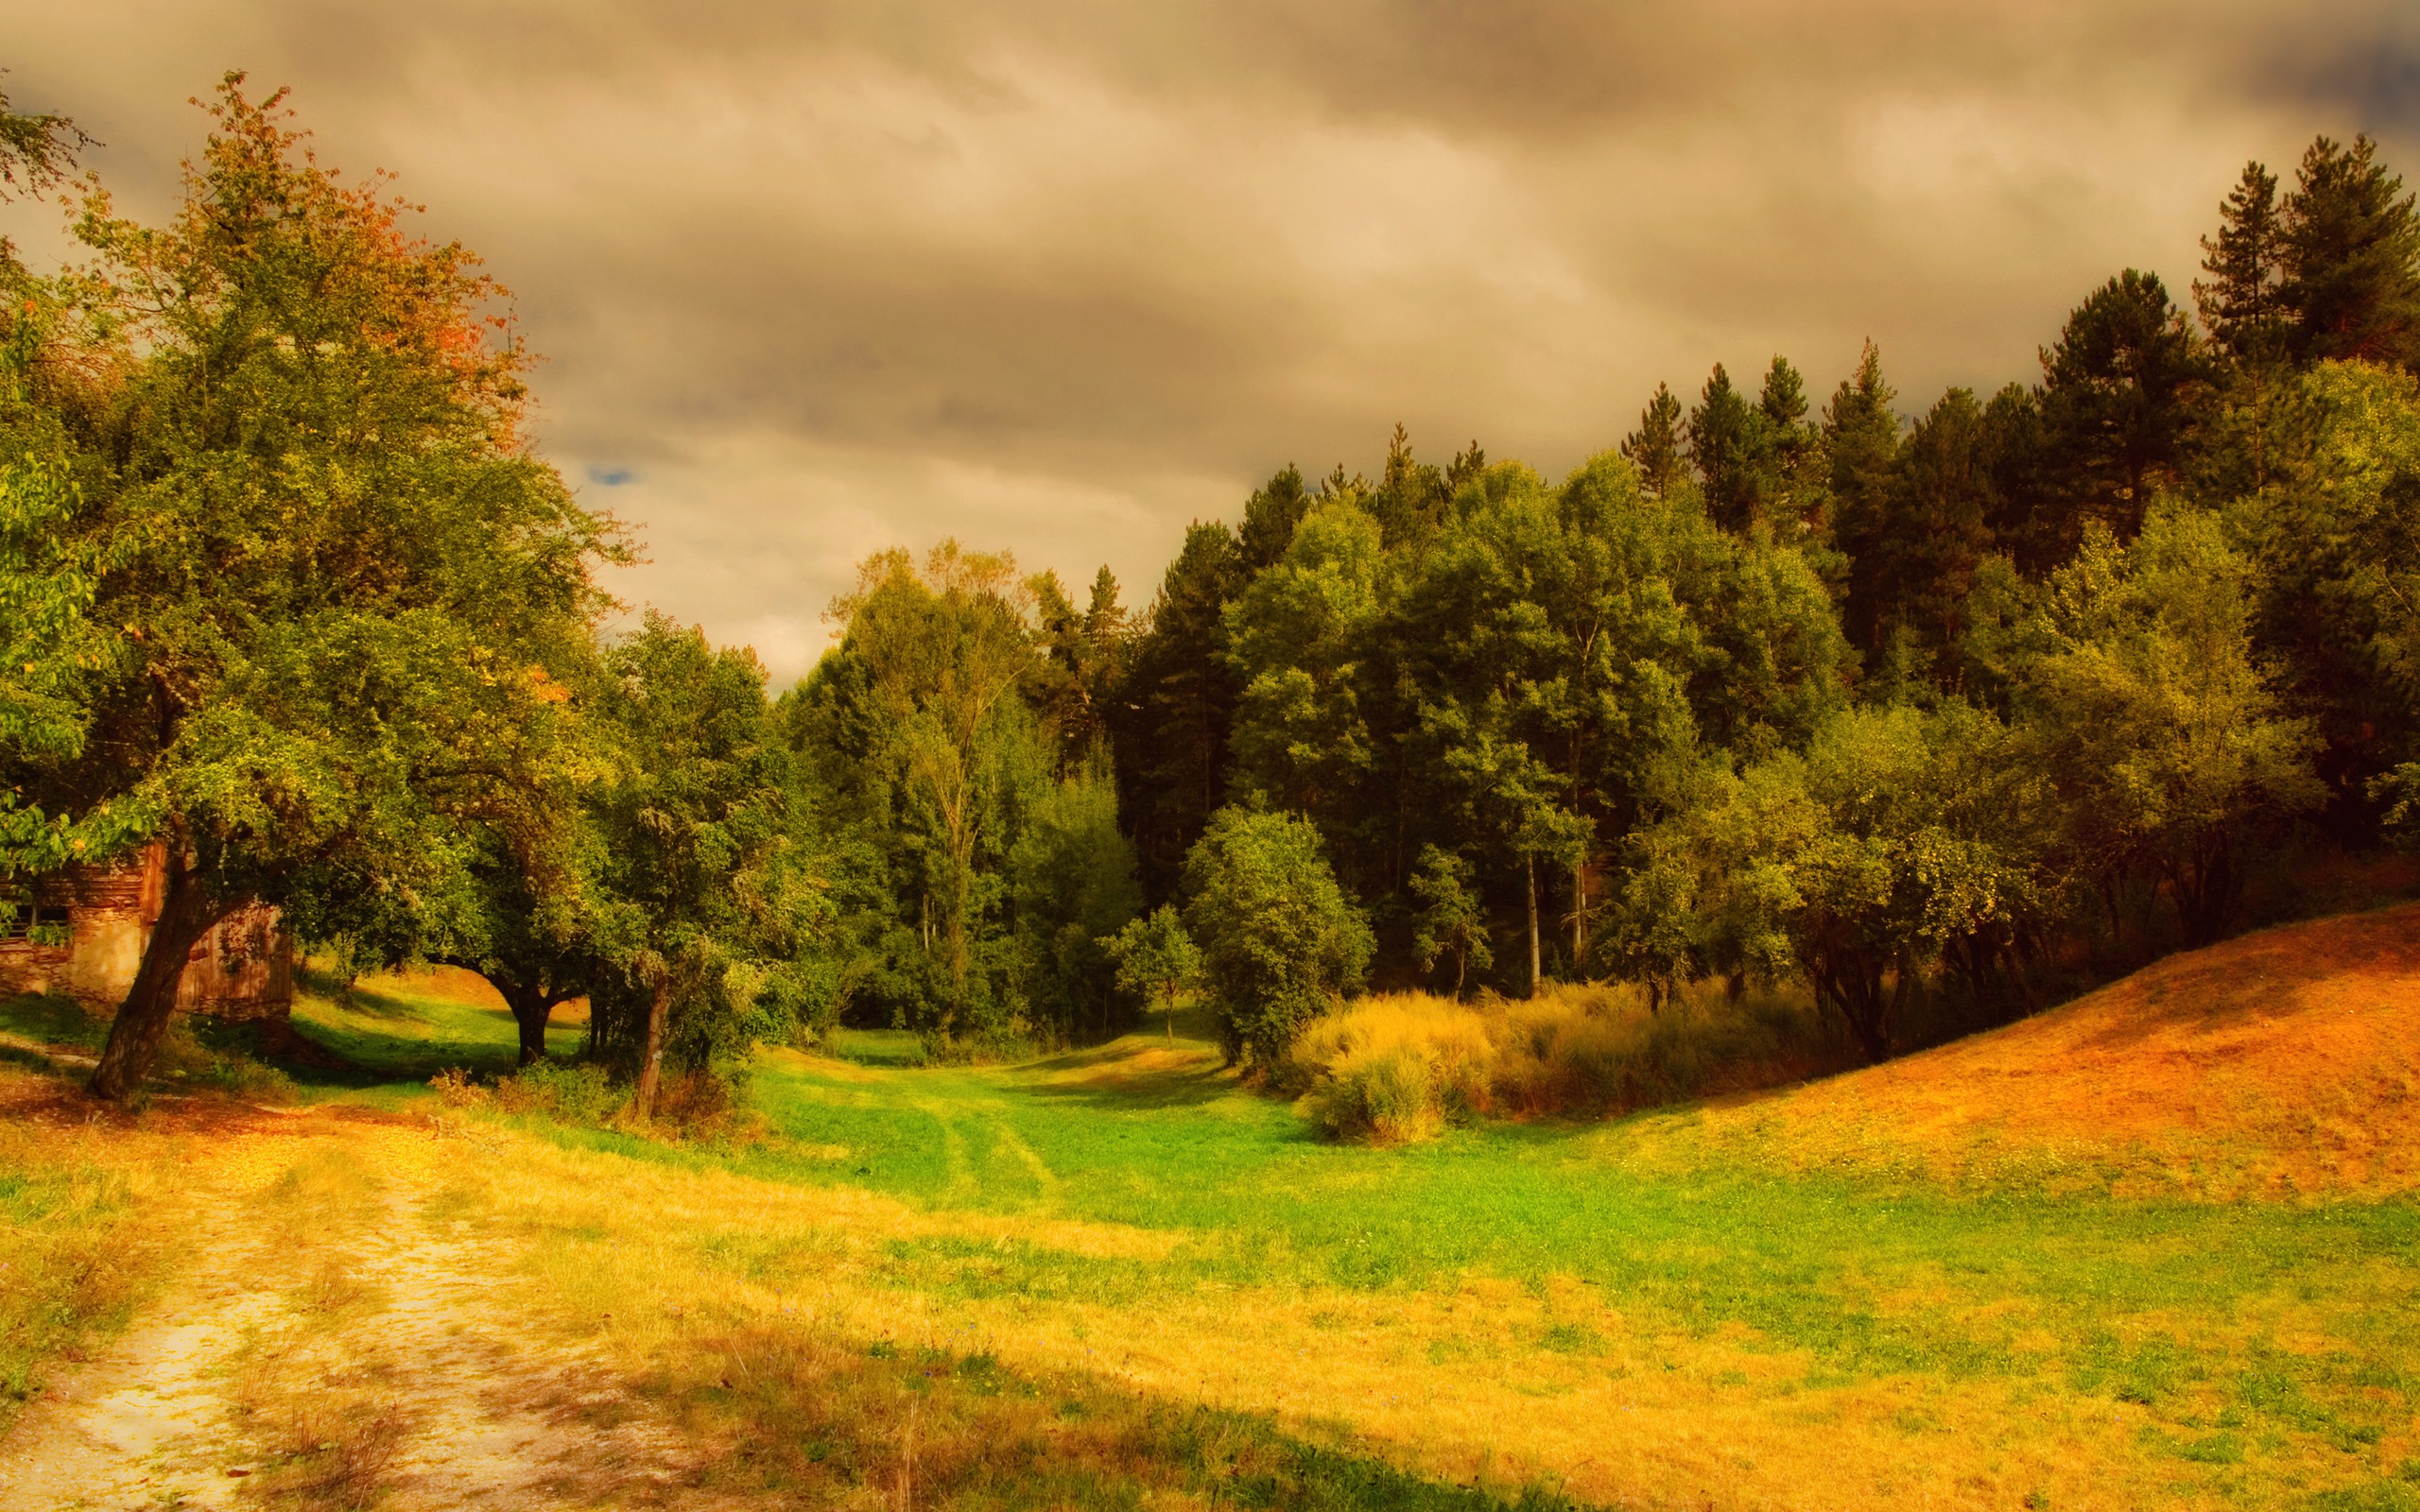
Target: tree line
[1876,703]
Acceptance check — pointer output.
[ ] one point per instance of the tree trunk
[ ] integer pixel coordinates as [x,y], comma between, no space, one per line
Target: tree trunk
[1532,863]
[531,1007]
[186,913]
[659,1008]
[1579,918]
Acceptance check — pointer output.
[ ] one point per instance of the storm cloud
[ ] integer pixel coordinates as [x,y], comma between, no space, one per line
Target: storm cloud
[815,279]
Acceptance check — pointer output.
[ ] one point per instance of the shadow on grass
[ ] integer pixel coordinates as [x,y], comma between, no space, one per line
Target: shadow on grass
[54,1020]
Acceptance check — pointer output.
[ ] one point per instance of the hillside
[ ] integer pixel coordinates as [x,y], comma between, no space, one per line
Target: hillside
[2285,1063]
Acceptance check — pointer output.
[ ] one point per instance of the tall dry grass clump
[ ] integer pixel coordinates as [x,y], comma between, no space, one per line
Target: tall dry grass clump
[1400,1065]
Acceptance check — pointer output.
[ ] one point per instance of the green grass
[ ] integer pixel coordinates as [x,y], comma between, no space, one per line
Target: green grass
[52,1020]
[2235,1333]
[2190,1311]
[399,1030]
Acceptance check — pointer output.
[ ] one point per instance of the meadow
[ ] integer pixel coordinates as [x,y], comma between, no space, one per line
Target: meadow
[1174,1290]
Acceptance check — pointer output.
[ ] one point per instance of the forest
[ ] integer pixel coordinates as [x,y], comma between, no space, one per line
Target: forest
[1941,713]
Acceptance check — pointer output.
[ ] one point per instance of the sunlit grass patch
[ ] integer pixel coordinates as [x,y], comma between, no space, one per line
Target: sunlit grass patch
[399,1028]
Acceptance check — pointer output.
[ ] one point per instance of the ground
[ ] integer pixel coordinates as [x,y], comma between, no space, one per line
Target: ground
[2155,1248]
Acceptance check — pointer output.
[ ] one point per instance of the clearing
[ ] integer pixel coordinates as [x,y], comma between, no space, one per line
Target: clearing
[2157,1247]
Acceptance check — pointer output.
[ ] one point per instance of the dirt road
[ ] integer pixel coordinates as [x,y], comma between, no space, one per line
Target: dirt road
[329,1340]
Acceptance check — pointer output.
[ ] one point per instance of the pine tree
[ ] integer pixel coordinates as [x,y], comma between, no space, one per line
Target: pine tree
[1723,443]
[1861,437]
[2119,391]
[2240,304]
[1654,448]
[2351,258]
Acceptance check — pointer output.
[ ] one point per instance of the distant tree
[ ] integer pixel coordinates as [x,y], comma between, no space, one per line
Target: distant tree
[2242,305]
[1935,536]
[1451,920]
[1899,834]
[1072,884]
[1409,498]
[1270,516]
[1297,638]
[1655,448]
[945,651]
[1726,447]
[1156,960]
[1861,440]
[1171,723]
[2350,259]
[2338,544]
[2147,707]
[707,902]
[1280,941]
[2119,391]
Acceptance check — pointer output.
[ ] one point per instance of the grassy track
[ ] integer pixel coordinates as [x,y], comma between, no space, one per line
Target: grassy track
[2239,1353]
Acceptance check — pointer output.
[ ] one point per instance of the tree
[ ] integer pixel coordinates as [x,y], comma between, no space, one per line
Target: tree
[1170,725]
[1861,439]
[1920,567]
[1451,920]
[944,652]
[1899,833]
[1298,637]
[2338,544]
[1280,941]
[1726,446]
[1157,959]
[2147,706]
[2349,250]
[335,578]
[1072,884]
[2118,390]
[708,904]
[2242,305]
[1655,448]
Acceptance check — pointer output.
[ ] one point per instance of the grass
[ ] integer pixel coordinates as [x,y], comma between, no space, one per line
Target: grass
[2090,1260]
[401,1028]
[88,1225]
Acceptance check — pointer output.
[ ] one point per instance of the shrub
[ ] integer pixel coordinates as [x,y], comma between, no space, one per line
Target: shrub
[577,1092]
[1401,1066]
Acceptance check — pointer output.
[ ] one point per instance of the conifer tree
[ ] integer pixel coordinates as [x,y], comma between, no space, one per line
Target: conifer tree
[2241,303]
[1654,448]
[2350,258]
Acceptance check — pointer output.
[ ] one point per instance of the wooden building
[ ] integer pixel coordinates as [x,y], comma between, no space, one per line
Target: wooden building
[86,928]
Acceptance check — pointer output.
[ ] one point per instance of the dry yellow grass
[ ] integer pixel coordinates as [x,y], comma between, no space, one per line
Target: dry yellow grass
[2286,1062]
[1398,1066]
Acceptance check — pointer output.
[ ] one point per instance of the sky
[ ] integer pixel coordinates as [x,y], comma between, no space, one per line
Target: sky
[812,279]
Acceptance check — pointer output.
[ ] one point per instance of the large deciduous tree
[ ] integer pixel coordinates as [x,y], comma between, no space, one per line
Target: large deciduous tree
[332,573]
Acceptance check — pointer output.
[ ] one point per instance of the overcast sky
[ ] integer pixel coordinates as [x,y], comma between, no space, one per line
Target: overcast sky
[815,278]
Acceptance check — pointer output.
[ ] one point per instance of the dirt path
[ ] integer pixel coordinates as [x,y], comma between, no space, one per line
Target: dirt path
[328,1343]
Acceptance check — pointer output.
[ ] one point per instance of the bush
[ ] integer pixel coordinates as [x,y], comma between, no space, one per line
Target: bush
[1402,1066]
[1280,941]
[577,1092]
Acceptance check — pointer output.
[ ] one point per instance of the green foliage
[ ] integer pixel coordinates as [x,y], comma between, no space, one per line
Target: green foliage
[1074,889]
[2349,258]
[1901,833]
[710,906]
[1451,922]
[1157,961]
[333,579]
[2338,545]
[1280,940]
[2151,714]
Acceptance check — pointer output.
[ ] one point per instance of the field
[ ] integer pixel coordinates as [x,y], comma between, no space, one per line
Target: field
[2157,1247]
